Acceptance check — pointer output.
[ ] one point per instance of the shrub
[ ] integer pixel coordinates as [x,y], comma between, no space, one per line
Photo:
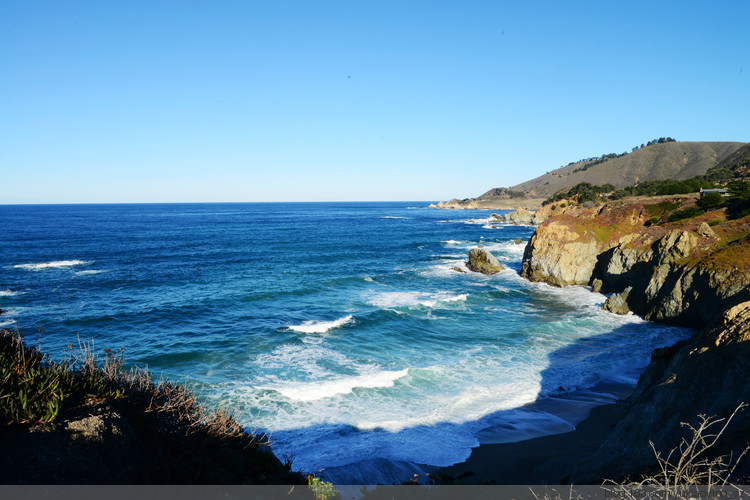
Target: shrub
[739,201]
[710,200]
[687,213]
[714,222]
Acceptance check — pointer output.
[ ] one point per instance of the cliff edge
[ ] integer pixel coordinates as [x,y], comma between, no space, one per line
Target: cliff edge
[694,272]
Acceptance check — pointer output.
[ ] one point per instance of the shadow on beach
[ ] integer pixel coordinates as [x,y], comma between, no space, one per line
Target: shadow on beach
[538,443]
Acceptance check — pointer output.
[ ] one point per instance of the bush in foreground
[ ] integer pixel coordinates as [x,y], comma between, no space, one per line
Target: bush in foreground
[84,422]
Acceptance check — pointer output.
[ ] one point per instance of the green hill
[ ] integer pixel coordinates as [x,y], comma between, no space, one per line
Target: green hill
[671,160]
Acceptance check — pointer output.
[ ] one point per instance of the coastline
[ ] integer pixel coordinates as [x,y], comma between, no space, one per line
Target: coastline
[542,460]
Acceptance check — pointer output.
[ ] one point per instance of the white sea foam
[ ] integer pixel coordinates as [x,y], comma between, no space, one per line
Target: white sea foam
[454,242]
[88,271]
[321,326]
[367,278]
[8,293]
[484,221]
[313,391]
[7,323]
[51,265]
[390,300]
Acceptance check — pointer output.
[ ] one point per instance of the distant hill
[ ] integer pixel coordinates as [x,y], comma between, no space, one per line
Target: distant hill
[736,165]
[671,160]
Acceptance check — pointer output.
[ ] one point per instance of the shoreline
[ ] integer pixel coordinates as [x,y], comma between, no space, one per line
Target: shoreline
[542,460]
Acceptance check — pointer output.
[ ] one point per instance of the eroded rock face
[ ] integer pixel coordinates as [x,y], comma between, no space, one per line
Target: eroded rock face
[673,274]
[520,216]
[560,256]
[482,261]
[704,375]
[618,302]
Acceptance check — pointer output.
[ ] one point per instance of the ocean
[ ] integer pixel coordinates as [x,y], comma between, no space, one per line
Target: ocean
[340,329]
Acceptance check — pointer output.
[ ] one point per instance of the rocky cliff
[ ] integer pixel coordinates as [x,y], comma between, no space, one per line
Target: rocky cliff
[688,272]
[683,272]
[705,375]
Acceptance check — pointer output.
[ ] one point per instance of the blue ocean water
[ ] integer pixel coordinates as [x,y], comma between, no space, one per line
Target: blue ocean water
[339,328]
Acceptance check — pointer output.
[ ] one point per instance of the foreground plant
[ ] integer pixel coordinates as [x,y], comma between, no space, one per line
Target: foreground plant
[142,430]
[689,465]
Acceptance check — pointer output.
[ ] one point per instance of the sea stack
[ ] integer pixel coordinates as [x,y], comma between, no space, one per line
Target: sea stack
[482,261]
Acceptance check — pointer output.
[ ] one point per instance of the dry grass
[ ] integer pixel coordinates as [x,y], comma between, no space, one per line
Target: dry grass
[689,465]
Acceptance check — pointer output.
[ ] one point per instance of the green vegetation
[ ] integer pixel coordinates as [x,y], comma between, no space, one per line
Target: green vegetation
[711,200]
[687,213]
[581,193]
[32,389]
[738,204]
[664,187]
[502,193]
[172,438]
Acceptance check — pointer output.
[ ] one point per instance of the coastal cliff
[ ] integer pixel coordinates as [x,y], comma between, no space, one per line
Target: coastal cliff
[684,272]
[694,272]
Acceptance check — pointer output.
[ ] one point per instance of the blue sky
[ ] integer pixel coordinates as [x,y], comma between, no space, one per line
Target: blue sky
[318,101]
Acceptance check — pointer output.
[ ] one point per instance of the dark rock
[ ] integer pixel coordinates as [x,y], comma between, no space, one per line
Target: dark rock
[705,375]
[458,270]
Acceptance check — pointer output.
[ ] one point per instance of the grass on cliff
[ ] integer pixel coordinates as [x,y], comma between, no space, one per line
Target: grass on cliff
[185,442]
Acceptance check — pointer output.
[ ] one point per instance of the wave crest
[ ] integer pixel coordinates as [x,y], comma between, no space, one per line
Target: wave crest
[51,265]
[321,326]
[313,391]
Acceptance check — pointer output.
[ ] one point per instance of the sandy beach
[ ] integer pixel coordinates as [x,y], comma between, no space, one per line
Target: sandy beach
[543,460]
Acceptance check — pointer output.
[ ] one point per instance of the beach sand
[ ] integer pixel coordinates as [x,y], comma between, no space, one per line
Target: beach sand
[544,460]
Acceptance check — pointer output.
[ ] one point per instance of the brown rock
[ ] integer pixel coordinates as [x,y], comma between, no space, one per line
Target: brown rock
[482,261]
[618,302]
[705,230]
[520,216]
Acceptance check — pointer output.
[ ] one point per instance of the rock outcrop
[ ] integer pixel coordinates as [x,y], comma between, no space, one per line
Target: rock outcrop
[482,261]
[618,302]
[677,273]
[684,272]
[520,216]
[706,375]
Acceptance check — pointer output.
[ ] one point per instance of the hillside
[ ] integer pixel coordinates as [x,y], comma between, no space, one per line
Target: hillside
[672,160]
[736,165]
[669,160]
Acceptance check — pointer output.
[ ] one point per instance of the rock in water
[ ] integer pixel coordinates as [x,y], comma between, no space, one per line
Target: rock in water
[618,302]
[596,285]
[458,270]
[482,261]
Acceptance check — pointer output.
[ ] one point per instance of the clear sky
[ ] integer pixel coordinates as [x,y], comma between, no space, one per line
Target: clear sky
[126,101]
